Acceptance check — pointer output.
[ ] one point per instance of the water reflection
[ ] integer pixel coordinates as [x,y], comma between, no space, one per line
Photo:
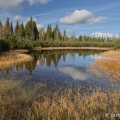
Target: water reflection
[77,73]
[58,68]
[48,57]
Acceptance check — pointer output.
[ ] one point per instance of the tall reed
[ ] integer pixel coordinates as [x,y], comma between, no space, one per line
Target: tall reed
[17,103]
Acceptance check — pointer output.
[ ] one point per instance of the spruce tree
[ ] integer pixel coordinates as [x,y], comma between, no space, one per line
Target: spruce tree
[16,30]
[11,28]
[64,35]
[21,31]
[56,33]
[1,29]
[35,31]
[41,34]
[7,28]
[28,30]
[49,32]
[31,30]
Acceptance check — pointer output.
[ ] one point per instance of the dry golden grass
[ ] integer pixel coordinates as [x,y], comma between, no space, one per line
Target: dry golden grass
[109,66]
[9,59]
[72,48]
[67,104]
[20,51]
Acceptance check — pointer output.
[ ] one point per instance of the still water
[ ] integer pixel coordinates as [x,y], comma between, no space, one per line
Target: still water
[58,68]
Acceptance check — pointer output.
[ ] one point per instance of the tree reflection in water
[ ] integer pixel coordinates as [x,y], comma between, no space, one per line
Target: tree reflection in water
[49,56]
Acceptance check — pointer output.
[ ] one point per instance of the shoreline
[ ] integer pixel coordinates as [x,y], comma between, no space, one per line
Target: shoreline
[20,50]
[9,59]
[109,67]
[72,48]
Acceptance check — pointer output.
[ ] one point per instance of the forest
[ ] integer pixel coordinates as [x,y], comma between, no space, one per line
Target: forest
[28,36]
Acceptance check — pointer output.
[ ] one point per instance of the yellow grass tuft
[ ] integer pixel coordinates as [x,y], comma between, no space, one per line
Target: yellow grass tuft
[68,104]
[9,59]
[109,66]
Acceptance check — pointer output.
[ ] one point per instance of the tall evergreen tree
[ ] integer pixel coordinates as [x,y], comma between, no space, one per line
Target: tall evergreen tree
[49,32]
[28,30]
[11,28]
[31,30]
[56,33]
[41,34]
[35,31]
[7,28]
[21,31]
[64,35]
[16,30]
[1,29]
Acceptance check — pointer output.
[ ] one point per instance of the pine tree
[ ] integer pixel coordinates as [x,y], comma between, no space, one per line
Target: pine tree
[21,31]
[64,35]
[56,33]
[1,29]
[35,31]
[7,28]
[16,30]
[28,30]
[41,34]
[31,30]
[49,32]
[11,28]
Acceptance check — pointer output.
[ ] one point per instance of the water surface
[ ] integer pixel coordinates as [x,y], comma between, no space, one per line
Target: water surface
[58,68]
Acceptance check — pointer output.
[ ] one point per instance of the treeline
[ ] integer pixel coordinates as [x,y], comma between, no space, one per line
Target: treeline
[28,36]
[30,31]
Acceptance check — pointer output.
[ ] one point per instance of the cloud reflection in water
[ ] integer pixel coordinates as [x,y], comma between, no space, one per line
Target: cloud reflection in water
[77,73]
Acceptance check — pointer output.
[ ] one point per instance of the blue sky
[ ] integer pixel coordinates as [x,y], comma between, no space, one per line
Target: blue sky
[81,17]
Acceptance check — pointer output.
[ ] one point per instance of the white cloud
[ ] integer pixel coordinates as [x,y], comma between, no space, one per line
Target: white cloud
[19,17]
[39,26]
[5,4]
[104,35]
[10,4]
[96,20]
[81,17]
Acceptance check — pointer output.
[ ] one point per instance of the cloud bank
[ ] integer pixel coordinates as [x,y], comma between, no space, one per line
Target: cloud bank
[104,35]
[82,17]
[5,4]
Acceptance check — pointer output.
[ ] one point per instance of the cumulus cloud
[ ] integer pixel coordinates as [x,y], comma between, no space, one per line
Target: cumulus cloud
[39,26]
[104,35]
[82,17]
[10,4]
[5,4]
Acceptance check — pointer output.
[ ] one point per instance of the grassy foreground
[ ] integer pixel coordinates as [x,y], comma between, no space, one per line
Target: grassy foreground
[109,66]
[16,103]
[9,59]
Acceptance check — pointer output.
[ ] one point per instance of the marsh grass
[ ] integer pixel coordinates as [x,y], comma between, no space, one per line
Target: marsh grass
[16,103]
[20,50]
[8,60]
[110,66]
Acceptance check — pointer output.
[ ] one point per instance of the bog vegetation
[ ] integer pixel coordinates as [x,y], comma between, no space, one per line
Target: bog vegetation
[68,103]
[28,36]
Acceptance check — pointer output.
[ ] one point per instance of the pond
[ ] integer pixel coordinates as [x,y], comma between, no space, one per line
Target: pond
[58,68]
